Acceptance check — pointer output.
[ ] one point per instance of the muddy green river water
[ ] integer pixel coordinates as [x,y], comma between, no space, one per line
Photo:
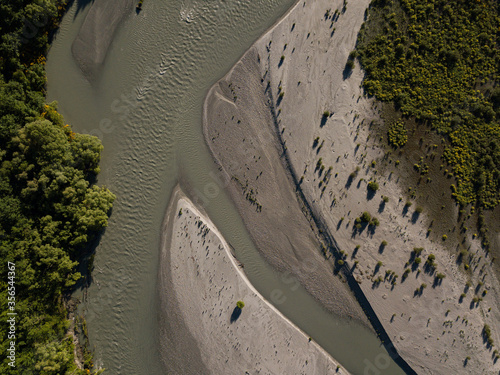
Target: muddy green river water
[146,107]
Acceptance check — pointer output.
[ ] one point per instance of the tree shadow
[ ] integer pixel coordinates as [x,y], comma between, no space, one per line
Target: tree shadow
[339,224]
[376,283]
[349,182]
[358,228]
[466,360]
[347,70]
[86,259]
[429,269]
[414,217]
[370,194]
[414,266]
[323,120]
[280,98]
[236,314]
[478,287]
[381,207]
[405,209]
[371,230]
[437,282]
[418,292]
[381,248]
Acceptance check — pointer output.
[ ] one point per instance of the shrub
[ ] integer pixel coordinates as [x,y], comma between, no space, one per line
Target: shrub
[385,198]
[419,210]
[373,185]
[384,243]
[463,253]
[401,55]
[487,334]
[240,304]
[418,250]
[366,217]
[397,134]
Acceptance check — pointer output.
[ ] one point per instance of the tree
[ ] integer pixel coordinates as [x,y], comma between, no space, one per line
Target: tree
[49,207]
[366,217]
[373,186]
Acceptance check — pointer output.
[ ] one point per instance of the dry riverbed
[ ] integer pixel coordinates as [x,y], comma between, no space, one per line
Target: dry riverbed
[290,115]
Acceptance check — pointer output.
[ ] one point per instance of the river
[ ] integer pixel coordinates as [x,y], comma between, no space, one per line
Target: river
[146,107]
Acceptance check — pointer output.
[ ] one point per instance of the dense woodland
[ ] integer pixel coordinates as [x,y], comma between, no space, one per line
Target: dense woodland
[439,62]
[49,207]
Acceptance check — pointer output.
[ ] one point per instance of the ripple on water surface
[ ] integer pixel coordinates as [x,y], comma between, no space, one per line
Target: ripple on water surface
[146,107]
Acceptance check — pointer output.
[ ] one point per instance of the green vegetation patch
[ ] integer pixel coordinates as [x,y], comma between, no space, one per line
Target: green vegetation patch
[397,134]
[49,207]
[439,62]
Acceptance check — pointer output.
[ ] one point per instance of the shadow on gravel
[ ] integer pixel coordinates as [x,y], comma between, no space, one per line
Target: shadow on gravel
[236,314]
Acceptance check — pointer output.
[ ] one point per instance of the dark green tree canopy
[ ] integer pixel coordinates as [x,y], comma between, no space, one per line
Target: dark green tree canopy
[49,206]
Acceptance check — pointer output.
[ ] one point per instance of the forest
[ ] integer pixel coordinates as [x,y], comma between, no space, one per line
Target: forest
[439,63]
[50,208]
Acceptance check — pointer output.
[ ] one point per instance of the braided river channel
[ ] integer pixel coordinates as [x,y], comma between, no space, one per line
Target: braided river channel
[146,107]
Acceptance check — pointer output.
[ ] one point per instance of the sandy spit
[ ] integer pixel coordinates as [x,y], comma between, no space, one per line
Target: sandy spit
[246,148]
[206,283]
[261,122]
[97,32]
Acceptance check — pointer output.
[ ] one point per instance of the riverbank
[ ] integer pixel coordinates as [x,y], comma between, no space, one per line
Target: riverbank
[291,115]
[199,271]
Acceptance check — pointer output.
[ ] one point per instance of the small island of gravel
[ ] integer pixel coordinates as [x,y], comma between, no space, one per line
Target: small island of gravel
[201,289]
